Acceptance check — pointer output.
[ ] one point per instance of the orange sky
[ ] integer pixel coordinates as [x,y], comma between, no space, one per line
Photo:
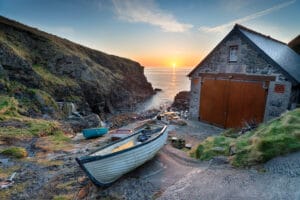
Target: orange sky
[168,61]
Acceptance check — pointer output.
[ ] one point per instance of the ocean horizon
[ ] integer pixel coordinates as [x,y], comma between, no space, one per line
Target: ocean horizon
[170,79]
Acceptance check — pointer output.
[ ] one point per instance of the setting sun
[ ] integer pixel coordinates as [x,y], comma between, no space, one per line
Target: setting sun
[173,64]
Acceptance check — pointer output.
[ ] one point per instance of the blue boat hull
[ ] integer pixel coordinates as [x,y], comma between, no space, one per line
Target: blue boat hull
[94,132]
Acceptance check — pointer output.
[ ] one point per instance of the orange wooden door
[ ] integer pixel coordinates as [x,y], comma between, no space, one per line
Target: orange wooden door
[213,101]
[246,103]
[230,103]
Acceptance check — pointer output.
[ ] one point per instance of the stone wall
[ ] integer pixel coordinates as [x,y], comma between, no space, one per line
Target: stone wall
[278,99]
[195,97]
[249,62]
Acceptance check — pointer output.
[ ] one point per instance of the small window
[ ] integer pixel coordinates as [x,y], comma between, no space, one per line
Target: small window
[233,51]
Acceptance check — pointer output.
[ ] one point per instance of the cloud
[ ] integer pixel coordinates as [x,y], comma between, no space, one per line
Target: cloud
[148,12]
[224,27]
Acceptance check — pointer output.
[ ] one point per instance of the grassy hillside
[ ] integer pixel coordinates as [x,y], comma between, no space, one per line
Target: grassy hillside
[14,124]
[295,44]
[277,137]
[15,127]
[97,82]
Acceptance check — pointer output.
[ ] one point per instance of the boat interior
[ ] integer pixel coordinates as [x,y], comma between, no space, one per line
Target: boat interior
[149,132]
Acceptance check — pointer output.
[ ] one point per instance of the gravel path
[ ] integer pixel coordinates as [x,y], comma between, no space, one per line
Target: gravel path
[277,179]
[225,182]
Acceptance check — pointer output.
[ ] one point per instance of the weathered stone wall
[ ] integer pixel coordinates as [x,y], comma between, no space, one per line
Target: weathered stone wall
[277,101]
[195,97]
[249,62]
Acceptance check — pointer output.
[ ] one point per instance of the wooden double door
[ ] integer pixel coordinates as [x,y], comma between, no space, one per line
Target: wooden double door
[230,101]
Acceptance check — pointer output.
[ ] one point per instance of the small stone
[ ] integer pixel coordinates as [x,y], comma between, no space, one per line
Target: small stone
[188,146]
[83,192]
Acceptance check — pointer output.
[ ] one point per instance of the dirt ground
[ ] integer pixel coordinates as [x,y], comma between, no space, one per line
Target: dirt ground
[171,174]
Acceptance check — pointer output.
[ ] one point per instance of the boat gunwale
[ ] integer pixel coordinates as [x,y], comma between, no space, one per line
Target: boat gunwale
[89,158]
[82,160]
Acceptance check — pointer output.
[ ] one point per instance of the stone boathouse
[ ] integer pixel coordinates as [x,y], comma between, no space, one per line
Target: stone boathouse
[247,77]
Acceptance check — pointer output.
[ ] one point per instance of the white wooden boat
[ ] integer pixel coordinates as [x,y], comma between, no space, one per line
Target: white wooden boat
[120,133]
[107,164]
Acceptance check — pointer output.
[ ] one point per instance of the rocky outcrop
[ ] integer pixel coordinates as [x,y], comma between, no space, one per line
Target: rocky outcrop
[95,81]
[181,101]
[79,123]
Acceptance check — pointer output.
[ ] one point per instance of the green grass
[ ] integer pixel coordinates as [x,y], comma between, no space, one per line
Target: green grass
[15,152]
[14,44]
[277,137]
[32,127]
[43,98]
[207,149]
[31,99]
[53,79]
[63,197]
[8,106]
[9,111]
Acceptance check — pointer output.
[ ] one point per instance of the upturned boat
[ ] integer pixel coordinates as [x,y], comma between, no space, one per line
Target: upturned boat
[94,132]
[107,164]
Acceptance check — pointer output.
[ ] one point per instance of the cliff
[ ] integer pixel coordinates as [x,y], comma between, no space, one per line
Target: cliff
[40,69]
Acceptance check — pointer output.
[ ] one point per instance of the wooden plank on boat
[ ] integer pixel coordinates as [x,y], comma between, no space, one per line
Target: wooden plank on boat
[123,146]
[107,164]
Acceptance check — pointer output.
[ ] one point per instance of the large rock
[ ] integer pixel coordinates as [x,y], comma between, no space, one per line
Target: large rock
[92,120]
[181,101]
[79,123]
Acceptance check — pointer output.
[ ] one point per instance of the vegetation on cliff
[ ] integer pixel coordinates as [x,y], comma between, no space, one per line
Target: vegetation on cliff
[16,152]
[277,137]
[13,125]
[35,64]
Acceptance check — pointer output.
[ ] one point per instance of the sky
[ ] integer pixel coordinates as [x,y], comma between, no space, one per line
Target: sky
[171,33]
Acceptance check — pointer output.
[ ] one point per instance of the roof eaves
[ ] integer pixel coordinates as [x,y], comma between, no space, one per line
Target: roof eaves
[258,33]
[267,57]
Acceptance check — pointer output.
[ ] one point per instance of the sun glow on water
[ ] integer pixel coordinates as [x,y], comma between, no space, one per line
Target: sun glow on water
[174,64]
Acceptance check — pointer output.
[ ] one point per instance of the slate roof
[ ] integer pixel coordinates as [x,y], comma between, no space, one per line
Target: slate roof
[280,53]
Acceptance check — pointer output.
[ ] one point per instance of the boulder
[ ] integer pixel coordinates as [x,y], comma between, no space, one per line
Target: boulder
[92,120]
[181,101]
[79,123]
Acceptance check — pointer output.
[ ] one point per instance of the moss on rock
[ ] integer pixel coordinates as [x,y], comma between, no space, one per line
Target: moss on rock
[15,152]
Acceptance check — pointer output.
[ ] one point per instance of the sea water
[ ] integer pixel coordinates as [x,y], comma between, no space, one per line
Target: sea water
[171,80]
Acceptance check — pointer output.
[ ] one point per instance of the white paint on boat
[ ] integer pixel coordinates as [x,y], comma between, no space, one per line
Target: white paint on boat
[111,166]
